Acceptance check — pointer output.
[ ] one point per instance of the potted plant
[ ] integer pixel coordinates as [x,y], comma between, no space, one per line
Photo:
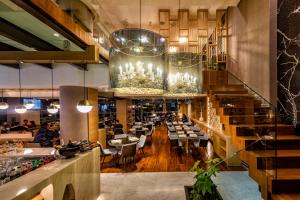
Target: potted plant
[204,188]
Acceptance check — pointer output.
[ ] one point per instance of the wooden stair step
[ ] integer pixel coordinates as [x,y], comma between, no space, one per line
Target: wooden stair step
[282,129]
[287,181]
[282,142]
[271,159]
[286,196]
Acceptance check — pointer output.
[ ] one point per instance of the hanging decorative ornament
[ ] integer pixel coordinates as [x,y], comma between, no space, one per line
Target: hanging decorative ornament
[3,105]
[52,109]
[84,106]
[20,109]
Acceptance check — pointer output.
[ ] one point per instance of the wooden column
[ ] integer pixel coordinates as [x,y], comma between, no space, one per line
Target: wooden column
[93,117]
[124,112]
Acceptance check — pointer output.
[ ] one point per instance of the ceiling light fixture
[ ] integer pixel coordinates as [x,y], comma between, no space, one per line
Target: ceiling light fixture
[56,34]
[3,105]
[51,108]
[30,103]
[84,105]
[20,108]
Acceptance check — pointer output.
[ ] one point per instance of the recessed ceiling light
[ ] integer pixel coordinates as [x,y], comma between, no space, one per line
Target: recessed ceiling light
[56,34]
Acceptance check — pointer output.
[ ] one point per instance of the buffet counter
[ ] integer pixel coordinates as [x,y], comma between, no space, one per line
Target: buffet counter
[12,136]
[75,178]
[29,152]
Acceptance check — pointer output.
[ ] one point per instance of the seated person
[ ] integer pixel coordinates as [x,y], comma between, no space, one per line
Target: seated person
[118,125]
[184,118]
[33,125]
[47,136]
[5,127]
[18,127]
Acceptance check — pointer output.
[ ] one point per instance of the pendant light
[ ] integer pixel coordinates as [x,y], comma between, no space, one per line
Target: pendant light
[3,105]
[30,103]
[52,109]
[20,108]
[182,39]
[84,105]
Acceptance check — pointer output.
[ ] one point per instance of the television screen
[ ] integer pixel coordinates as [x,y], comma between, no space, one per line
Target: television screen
[37,103]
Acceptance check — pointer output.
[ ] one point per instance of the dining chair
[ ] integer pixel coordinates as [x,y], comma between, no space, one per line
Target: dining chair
[140,145]
[119,131]
[150,132]
[127,151]
[139,133]
[120,136]
[202,142]
[106,152]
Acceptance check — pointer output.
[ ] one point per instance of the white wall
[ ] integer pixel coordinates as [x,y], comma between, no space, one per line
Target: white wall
[37,77]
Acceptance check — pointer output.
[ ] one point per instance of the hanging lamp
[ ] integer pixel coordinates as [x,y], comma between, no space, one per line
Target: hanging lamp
[84,106]
[3,105]
[20,108]
[30,103]
[52,109]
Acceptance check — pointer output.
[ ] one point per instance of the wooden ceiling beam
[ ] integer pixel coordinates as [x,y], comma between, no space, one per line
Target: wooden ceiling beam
[21,36]
[90,55]
[52,15]
[7,47]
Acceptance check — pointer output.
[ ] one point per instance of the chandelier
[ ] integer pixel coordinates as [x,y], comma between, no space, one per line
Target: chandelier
[137,62]
[184,74]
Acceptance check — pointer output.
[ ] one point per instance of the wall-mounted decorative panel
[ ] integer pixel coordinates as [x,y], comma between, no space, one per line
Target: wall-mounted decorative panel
[288,59]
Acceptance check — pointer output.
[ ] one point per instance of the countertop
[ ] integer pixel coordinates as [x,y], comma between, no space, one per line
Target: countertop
[59,173]
[30,152]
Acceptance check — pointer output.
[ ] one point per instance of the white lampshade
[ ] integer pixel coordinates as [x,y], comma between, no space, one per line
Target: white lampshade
[52,109]
[20,109]
[29,105]
[84,106]
[56,104]
[3,105]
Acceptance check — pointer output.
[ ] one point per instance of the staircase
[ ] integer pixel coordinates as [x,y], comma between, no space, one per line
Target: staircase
[273,162]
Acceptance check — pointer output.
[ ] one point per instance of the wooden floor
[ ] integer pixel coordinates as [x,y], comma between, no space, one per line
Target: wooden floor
[159,157]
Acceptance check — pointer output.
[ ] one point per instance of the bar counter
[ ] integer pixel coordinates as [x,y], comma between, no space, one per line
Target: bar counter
[76,178]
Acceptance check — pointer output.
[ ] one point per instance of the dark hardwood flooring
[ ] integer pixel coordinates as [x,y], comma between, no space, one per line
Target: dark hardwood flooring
[159,157]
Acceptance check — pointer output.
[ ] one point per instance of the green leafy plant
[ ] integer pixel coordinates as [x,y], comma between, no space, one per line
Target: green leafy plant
[204,188]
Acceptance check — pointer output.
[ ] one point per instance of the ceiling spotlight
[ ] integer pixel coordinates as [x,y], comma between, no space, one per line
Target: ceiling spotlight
[162,39]
[183,39]
[56,34]
[172,49]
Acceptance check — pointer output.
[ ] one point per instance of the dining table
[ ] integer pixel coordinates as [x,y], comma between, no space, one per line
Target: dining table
[119,142]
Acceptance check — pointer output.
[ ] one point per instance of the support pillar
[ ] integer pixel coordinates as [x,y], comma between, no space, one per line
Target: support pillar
[75,125]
